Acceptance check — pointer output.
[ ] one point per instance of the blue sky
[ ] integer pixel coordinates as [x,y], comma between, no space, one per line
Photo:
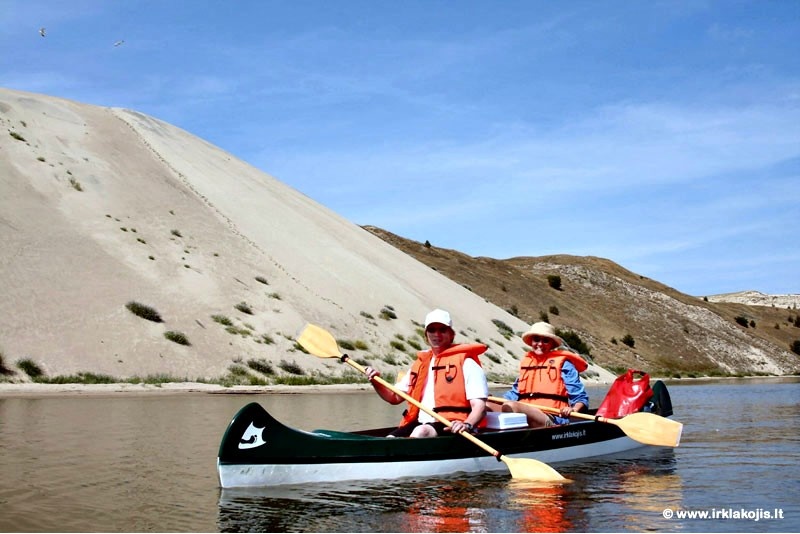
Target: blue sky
[664,136]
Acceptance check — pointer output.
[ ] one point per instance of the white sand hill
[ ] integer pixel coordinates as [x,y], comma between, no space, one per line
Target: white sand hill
[102,206]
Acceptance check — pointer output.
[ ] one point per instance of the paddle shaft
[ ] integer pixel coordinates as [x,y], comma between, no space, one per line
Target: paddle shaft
[485,446]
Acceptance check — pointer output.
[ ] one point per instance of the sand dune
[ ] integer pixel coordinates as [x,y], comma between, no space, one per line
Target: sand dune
[102,206]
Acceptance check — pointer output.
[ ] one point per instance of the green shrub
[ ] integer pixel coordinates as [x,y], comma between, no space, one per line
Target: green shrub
[176,233]
[574,341]
[17,136]
[413,344]
[177,337]
[503,328]
[261,365]
[554,281]
[345,344]
[244,308]
[30,368]
[244,332]
[80,378]
[144,311]
[3,369]
[492,357]
[366,315]
[237,370]
[742,321]
[221,319]
[544,317]
[267,339]
[261,279]
[361,345]
[554,310]
[291,367]
[397,345]
[387,313]
[627,339]
[795,346]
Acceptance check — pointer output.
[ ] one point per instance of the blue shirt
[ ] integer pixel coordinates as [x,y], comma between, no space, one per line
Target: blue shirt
[572,381]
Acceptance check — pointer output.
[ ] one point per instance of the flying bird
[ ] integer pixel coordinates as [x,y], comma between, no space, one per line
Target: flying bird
[118,43]
[41,31]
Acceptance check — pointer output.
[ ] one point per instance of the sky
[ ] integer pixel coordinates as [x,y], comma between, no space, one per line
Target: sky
[662,135]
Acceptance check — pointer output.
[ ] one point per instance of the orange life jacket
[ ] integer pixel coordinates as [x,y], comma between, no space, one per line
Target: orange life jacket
[540,379]
[449,389]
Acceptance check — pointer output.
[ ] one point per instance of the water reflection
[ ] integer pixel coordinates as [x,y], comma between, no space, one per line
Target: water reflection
[412,505]
[541,507]
[628,491]
[621,492]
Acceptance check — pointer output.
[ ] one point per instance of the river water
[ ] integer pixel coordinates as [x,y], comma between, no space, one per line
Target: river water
[147,463]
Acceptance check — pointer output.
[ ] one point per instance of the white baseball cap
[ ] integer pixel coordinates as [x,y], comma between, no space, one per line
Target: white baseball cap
[438,316]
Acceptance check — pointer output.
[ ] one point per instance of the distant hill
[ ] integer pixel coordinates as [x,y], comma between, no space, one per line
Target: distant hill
[673,333]
[756,298]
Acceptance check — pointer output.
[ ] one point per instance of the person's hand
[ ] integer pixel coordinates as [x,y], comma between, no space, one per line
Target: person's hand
[458,427]
[565,411]
[371,373]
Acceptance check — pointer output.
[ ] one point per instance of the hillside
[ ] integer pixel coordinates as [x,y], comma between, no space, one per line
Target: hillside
[673,333]
[106,207]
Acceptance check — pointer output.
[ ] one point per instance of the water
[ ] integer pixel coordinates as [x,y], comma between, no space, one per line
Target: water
[146,463]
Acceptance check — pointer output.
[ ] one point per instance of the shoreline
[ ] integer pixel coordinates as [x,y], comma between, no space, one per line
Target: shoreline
[33,389]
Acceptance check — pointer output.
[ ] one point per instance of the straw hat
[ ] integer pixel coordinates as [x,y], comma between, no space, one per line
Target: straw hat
[541,329]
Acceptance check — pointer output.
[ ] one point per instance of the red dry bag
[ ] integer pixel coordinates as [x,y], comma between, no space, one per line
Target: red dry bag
[626,395]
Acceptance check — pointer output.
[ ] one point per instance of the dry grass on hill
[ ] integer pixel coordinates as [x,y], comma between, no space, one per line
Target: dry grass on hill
[673,333]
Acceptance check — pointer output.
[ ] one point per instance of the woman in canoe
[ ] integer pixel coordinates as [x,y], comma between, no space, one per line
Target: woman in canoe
[548,376]
[447,378]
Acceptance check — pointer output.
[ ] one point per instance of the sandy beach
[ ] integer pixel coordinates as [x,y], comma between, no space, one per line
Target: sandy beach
[31,389]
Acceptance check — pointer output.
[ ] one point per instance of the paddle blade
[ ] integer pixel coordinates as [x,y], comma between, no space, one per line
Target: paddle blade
[650,429]
[318,342]
[530,469]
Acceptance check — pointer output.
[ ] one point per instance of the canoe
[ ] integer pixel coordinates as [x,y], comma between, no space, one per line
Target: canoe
[259,451]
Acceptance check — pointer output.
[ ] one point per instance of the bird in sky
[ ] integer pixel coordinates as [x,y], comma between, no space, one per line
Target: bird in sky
[119,43]
[42,31]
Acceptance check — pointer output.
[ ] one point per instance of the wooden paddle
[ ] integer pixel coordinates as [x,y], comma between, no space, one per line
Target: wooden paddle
[320,342]
[647,428]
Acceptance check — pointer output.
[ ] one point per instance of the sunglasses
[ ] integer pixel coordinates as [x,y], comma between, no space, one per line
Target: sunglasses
[438,329]
[540,339]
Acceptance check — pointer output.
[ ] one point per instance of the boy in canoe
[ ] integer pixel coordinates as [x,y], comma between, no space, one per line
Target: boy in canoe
[446,378]
[549,376]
